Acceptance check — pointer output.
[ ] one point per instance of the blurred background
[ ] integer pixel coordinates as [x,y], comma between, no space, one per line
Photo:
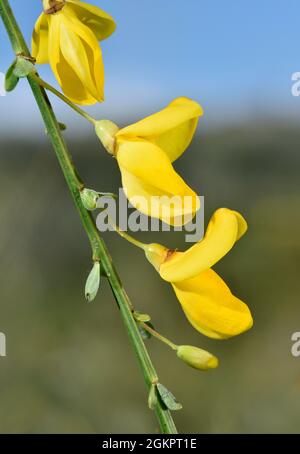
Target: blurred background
[69,366]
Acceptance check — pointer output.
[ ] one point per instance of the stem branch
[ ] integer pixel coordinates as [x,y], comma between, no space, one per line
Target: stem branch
[66,100]
[158,336]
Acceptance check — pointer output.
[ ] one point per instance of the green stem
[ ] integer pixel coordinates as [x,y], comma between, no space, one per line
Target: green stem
[127,237]
[66,100]
[98,246]
[159,336]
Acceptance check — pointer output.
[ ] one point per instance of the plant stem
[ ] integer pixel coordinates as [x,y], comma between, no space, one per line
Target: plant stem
[127,237]
[66,100]
[98,246]
[158,336]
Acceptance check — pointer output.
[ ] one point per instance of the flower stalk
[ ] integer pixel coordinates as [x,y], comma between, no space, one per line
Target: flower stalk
[158,336]
[99,249]
[63,98]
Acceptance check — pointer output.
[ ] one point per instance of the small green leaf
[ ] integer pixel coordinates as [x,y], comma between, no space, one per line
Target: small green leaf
[93,283]
[11,80]
[62,126]
[152,399]
[142,317]
[145,335]
[168,398]
[23,67]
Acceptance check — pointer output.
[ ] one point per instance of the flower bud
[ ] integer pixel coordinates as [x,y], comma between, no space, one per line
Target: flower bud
[89,198]
[93,283]
[197,358]
[106,131]
[152,398]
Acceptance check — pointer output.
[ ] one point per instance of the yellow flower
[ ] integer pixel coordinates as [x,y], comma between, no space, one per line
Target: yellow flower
[205,298]
[66,35]
[145,152]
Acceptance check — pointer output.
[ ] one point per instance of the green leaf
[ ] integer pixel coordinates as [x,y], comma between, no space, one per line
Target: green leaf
[11,80]
[62,126]
[145,335]
[23,67]
[93,283]
[168,398]
[142,317]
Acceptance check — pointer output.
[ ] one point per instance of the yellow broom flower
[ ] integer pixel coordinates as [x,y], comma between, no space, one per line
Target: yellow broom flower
[66,35]
[205,298]
[145,152]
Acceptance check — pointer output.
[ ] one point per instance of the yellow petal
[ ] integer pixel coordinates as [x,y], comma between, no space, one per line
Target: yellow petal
[101,23]
[65,75]
[211,307]
[54,45]
[81,49]
[76,58]
[152,185]
[172,129]
[225,228]
[40,42]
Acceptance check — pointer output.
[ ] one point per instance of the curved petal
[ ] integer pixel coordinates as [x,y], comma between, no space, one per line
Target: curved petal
[101,23]
[93,57]
[54,45]
[76,58]
[40,43]
[152,185]
[225,228]
[211,307]
[172,129]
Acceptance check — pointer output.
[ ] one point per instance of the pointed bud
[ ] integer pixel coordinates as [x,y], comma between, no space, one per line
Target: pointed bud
[89,198]
[152,398]
[93,283]
[106,131]
[156,254]
[197,358]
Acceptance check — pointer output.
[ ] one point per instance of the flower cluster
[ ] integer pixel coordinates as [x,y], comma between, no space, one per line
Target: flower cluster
[67,36]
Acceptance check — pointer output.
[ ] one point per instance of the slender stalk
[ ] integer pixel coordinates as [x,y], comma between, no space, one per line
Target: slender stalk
[98,246]
[66,100]
[159,336]
[127,237]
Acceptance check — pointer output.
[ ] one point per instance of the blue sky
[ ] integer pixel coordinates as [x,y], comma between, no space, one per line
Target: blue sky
[235,57]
